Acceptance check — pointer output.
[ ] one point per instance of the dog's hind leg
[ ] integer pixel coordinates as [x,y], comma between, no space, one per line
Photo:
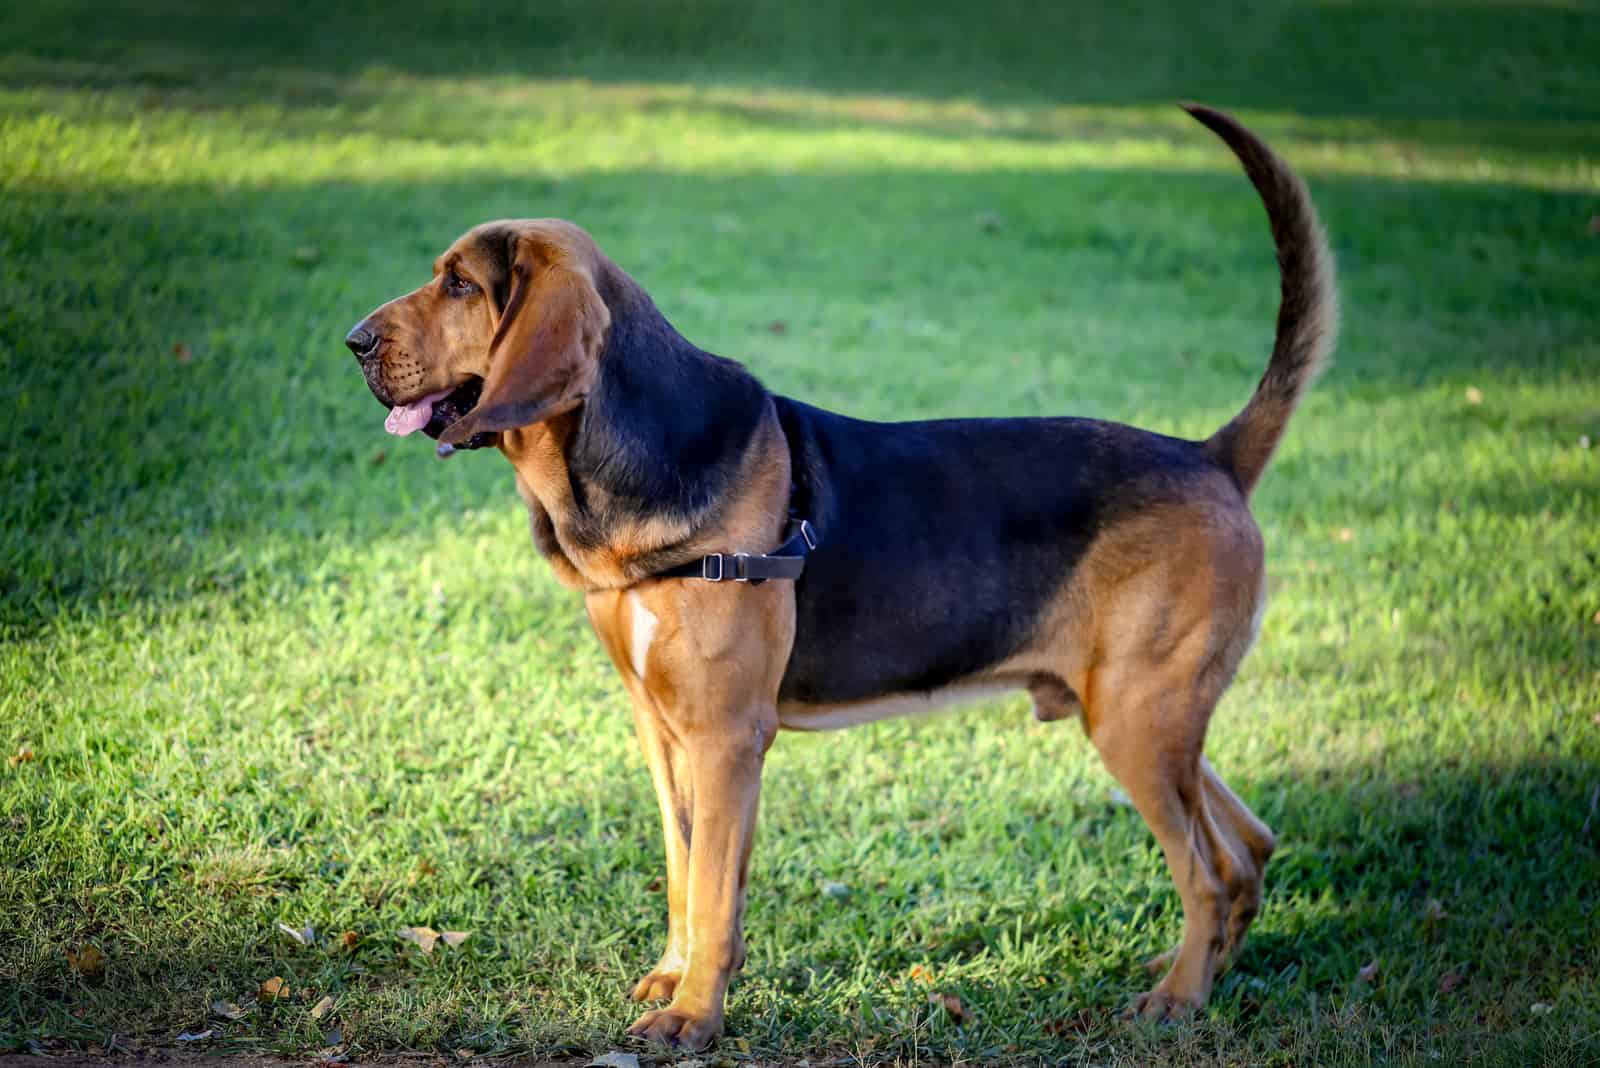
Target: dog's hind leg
[1150,743]
[1247,844]
[1253,843]
[1166,642]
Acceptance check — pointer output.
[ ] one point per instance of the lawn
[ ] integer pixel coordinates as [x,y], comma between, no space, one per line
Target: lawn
[261,665]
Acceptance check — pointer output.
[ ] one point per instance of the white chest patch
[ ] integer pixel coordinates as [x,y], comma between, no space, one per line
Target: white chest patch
[644,631]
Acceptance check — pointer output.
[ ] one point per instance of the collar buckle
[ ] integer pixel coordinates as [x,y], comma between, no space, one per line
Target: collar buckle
[725,567]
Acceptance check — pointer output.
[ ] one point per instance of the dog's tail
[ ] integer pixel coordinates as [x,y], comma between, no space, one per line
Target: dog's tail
[1308,316]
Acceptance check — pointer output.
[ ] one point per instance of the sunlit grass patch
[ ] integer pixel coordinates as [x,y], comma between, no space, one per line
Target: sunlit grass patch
[386,127]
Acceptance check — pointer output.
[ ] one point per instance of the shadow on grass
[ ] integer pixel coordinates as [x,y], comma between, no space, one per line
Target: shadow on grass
[1472,882]
[1422,60]
[1472,888]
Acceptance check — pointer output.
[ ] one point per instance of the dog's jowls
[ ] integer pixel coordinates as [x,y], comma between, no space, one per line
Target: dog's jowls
[1113,573]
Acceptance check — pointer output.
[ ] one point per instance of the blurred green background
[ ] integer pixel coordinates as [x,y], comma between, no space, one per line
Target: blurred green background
[260,664]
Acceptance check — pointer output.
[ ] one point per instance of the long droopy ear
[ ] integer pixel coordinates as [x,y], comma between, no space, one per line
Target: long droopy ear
[543,356]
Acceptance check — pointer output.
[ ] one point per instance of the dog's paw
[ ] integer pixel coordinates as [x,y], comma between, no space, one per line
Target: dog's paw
[657,986]
[677,1029]
[1160,1006]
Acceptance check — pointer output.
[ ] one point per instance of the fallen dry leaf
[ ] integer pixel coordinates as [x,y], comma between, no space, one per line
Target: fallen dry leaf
[1474,395]
[655,885]
[274,989]
[25,753]
[952,1005]
[323,1006]
[228,1010]
[183,353]
[425,867]
[424,937]
[454,938]
[1079,1023]
[1450,981]
[466,1054]
[87,962]
[615,1059]
[1368,972]
[349,940]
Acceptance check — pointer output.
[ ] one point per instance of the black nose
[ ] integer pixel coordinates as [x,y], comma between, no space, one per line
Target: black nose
[362,340]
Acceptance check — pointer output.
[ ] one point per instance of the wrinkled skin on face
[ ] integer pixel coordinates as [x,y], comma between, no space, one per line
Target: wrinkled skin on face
[495,312]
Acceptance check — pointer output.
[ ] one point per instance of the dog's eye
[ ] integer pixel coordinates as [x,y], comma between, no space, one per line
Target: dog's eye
[457,286]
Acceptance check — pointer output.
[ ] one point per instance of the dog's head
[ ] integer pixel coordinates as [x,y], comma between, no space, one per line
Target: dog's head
[507,334]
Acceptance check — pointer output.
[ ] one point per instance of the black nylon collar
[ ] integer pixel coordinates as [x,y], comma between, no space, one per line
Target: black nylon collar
[786,562]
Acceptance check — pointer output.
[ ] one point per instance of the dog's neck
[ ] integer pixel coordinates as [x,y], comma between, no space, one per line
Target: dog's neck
[664,420]
[658,450]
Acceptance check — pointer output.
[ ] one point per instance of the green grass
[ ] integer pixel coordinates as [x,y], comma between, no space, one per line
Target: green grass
[275,667]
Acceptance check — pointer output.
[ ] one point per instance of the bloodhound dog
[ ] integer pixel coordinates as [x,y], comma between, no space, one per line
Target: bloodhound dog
[1113,573]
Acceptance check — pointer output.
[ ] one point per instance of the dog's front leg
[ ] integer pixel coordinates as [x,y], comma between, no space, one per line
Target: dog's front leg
[703,663]
[669,770]
[725,758]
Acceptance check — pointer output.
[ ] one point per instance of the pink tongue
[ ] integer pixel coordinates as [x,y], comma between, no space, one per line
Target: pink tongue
[409,418]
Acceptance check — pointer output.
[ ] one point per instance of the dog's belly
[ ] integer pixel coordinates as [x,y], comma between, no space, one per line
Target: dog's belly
[799,716]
